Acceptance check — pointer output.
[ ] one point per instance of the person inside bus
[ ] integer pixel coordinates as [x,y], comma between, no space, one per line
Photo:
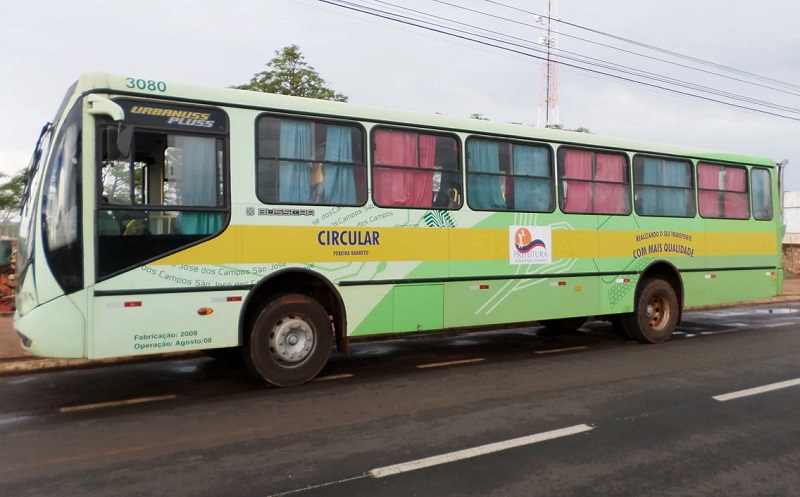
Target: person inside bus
[317,183]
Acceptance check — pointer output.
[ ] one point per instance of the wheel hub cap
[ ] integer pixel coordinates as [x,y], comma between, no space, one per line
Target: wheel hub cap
[657,312]
[291,340]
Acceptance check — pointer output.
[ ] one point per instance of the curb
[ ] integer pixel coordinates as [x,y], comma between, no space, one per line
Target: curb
[29,364]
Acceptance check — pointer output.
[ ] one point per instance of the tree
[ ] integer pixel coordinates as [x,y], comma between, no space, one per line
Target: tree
[11,195]
[290,74]
[580,129]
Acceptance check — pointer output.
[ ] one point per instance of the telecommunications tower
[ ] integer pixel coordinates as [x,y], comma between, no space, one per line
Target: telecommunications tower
[548,87]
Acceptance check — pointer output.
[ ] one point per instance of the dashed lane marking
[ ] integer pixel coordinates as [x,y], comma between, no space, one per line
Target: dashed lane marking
[334,377]
[476,451]
[757,390]
[140,400]
[720,332]
[449,363]
[568,349]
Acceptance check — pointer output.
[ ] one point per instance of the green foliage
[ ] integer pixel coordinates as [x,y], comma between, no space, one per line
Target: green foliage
[579,129]
[290,74]
[11,192]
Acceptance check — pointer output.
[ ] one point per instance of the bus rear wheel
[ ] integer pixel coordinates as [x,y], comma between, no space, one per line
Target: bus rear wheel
[290,341]
[655,315]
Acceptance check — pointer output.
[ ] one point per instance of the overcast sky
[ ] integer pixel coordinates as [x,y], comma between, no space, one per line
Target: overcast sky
[48,44]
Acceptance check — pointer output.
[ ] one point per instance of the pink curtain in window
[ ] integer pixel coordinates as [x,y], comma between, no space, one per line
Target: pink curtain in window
[610,199]
[708,177]
[578,165]
[411,187]
[736,204]
[393,148]
[419,184]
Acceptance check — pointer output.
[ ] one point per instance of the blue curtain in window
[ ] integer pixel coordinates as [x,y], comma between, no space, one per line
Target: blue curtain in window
[531,194]
[762,194]
[674,200]
[666,201]
[651,202]
[295,176]
[200,184]
[340,184]
[484,190]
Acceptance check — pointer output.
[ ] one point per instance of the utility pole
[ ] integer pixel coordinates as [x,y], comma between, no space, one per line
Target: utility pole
[548,87]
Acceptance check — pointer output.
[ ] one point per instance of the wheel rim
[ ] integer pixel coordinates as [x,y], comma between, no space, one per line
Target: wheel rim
[658,312]
[291,340]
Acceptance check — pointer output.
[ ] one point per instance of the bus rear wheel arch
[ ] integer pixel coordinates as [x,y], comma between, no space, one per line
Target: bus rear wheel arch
[301,281]
[290,340]
[656,312]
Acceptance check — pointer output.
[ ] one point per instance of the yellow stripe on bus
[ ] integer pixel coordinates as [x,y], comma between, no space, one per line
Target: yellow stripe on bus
[284,244]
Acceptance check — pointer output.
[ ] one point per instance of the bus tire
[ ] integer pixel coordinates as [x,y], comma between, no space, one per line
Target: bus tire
[563,325]
[655,313]
[290,341]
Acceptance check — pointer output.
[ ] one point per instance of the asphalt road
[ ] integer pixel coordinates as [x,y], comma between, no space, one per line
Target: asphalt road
[507,413]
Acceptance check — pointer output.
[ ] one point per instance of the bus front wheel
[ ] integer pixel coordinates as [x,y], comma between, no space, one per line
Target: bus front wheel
[655,315]
[290,341]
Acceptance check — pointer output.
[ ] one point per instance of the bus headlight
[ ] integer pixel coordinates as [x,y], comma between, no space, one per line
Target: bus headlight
[26,301]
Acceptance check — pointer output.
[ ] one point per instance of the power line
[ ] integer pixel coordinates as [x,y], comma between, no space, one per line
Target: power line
[619,49]
[657,49]
[574,56]
[632,72]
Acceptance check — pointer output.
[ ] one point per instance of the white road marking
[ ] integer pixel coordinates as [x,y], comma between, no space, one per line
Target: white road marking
[12,421]
[777,325]
[321,485]
[127,402]
[720,332]
[476,451]
[757,390]
[450,363]
[553,351]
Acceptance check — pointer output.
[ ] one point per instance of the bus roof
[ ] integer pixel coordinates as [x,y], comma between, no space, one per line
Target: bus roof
[229,97]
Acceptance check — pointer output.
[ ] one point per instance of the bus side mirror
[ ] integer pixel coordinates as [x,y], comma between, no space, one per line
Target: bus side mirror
[118,142]
[102,106]
[124,138]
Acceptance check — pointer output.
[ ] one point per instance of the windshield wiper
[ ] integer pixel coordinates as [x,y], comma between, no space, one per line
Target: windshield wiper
[33,166]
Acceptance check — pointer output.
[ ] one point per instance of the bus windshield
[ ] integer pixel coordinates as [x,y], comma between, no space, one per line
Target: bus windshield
[25,242]
[30,195]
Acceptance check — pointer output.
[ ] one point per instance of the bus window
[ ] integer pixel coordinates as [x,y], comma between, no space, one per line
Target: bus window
[594,182]
[663,187]
[168,193]
[413,169]
[304,162]
[61,212]
[761,186]
[722,191]
[509,176]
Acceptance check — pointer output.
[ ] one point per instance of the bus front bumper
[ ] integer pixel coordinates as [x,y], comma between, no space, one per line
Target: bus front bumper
[54,329]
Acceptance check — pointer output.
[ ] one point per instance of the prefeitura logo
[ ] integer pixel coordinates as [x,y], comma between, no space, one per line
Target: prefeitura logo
[530,245]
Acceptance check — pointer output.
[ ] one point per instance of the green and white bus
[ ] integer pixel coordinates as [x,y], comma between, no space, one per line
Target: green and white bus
[162,217]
